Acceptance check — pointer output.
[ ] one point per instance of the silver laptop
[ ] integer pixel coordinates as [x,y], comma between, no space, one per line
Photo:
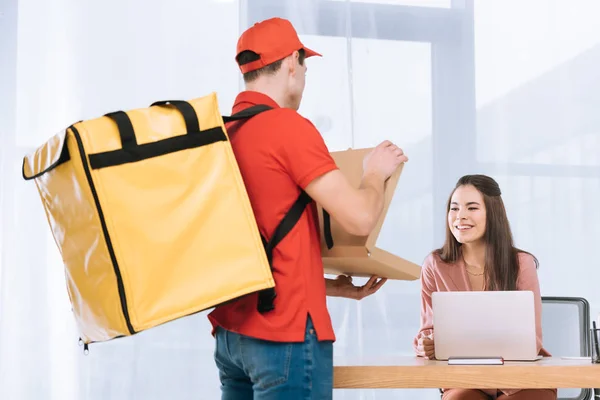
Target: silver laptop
[484,324]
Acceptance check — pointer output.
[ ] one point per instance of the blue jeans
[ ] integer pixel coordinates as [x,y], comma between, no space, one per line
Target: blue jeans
[254,369]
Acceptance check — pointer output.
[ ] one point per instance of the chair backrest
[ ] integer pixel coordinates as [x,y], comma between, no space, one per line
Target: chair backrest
[565,328]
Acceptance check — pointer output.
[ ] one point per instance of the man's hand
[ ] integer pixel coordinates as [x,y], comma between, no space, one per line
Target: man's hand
[426,348]
[342,287]
[383,160]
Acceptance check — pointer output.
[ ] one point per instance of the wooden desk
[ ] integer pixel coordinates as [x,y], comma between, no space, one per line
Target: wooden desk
[413,372]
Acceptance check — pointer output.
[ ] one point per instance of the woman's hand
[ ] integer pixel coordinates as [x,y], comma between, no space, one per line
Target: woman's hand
[425,347]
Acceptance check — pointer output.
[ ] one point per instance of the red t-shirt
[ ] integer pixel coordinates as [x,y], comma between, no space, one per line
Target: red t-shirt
[279,152]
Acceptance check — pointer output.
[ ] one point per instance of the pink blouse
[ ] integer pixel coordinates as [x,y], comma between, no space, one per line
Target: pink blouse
[438,276]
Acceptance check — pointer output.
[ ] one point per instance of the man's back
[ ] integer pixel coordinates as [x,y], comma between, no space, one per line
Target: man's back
[279,153]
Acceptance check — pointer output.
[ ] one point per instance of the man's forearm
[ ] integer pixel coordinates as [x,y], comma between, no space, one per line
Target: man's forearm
[372,191]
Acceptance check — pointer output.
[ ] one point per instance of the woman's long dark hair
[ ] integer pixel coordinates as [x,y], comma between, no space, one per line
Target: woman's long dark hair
[501,256]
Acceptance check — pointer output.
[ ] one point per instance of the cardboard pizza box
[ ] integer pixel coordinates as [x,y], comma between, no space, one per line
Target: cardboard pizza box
[344,253]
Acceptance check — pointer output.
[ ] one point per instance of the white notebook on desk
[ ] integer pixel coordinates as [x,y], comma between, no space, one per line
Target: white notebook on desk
[475,361]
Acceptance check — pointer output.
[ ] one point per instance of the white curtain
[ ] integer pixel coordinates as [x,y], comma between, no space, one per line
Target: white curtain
[507,88]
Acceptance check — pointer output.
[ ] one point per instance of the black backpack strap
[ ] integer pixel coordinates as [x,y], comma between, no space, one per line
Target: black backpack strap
[247,113]
[327,230]
[266,297]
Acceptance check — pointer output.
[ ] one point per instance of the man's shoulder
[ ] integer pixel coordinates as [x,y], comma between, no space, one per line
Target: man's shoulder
[282,125]
[289,117]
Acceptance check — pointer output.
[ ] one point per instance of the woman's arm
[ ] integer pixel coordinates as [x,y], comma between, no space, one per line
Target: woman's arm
[528,280]
[423,341]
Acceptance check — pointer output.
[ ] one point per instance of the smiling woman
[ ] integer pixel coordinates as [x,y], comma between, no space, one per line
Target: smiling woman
[466,217]
[479,233]
[478,254]
[466,221]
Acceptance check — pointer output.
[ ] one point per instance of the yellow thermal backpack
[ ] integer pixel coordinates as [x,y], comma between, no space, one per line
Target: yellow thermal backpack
[151,216]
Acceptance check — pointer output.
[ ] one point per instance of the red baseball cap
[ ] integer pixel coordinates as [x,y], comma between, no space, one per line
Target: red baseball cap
[272,39]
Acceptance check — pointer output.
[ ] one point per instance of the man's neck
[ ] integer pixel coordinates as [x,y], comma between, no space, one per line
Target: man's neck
[270,89]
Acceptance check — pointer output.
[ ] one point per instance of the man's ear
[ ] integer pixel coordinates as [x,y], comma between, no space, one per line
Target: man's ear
[293,61]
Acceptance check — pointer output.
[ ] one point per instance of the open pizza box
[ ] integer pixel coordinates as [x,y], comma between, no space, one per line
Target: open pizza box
[359,256]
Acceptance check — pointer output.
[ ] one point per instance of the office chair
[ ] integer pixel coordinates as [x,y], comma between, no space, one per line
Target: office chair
[565,327]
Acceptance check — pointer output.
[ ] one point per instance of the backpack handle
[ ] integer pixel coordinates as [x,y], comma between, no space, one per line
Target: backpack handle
[187,110]
[127,133]
[128,141]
